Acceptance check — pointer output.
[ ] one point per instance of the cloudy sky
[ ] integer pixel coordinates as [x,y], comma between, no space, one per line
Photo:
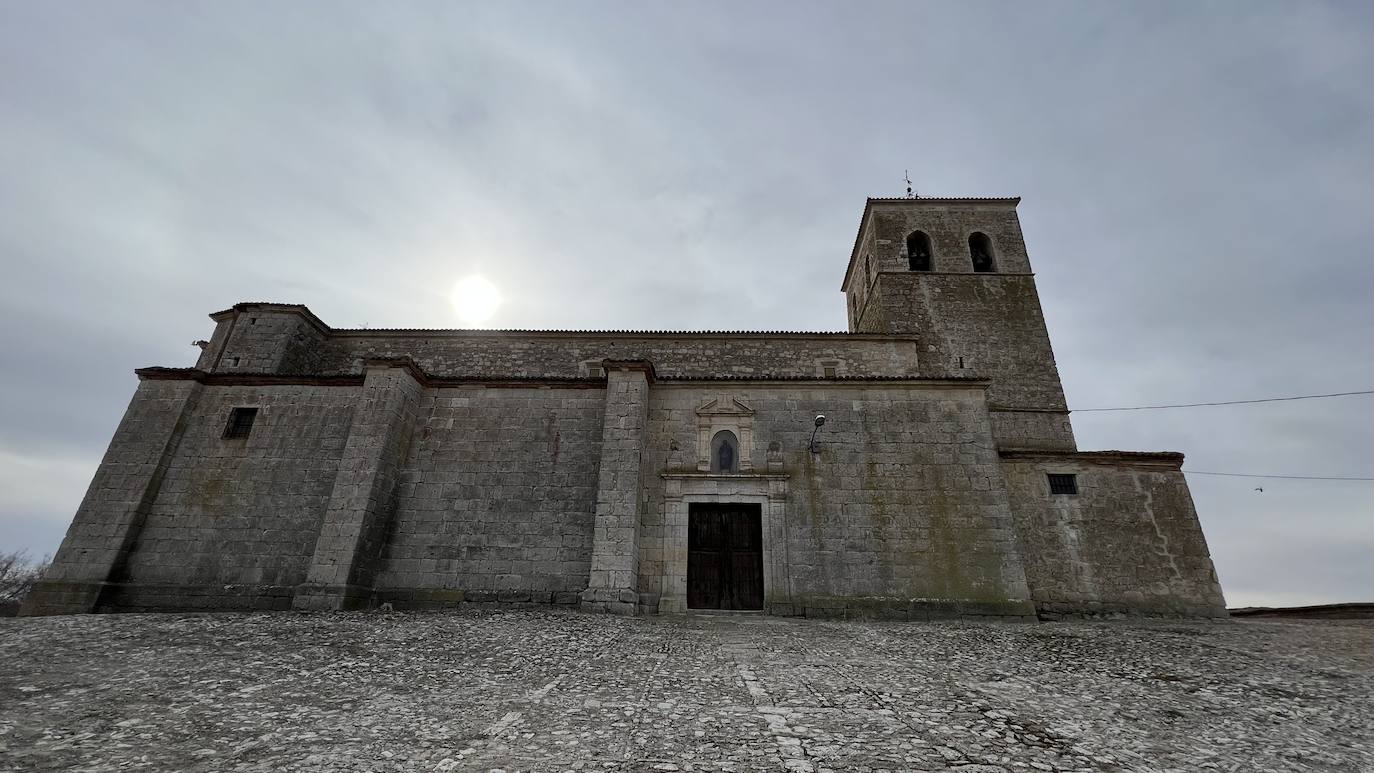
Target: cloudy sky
[1198,181]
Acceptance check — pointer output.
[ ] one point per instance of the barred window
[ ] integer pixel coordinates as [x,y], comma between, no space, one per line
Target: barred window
[240,422]
[1063,484]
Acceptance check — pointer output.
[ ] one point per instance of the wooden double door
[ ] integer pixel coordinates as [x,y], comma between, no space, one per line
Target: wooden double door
[724,556]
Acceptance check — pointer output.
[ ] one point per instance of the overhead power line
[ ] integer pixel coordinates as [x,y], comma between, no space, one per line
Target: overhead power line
[1226,402]
[1286,477]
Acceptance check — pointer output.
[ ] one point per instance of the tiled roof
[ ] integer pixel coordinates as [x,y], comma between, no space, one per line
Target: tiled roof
[304,310]
[961,379]
[944,198]
[242,305]
[621,332]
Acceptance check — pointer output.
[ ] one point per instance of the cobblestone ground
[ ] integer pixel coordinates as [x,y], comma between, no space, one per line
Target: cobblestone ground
[549,690]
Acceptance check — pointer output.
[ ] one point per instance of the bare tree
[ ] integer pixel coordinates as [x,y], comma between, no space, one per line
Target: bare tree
[18,573]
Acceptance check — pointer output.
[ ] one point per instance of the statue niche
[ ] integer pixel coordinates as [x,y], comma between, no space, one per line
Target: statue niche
[725,436]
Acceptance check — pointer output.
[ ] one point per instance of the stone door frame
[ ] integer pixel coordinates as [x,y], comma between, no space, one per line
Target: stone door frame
[769,491]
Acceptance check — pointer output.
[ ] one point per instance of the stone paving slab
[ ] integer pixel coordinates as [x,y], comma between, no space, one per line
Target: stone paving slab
[536,689]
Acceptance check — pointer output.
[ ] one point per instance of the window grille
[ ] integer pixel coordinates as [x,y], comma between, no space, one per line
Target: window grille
[240,422]
[1063,484]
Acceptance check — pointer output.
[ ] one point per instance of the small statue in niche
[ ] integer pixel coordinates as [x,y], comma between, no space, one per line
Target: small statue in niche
[725,452]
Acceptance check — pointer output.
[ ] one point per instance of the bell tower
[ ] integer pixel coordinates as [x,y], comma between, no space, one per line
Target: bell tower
[955,274]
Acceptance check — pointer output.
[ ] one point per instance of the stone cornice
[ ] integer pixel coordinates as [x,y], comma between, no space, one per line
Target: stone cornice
[1166,459]
[438,382]
[644,366]
[724,476]
[356,380]
[959,382]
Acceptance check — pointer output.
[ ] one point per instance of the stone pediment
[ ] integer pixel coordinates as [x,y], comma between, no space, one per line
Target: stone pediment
[725,406]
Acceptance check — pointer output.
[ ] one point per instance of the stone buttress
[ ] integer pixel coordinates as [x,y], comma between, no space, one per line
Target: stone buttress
[613,584]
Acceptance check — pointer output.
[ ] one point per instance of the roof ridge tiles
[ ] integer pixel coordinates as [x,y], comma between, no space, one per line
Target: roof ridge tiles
[616,331]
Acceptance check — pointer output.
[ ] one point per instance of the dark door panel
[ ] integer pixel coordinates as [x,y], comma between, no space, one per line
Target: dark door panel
[724,556]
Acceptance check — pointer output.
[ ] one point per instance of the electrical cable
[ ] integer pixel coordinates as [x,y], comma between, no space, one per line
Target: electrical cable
[1245,402]
[1223,402]
[1285,477]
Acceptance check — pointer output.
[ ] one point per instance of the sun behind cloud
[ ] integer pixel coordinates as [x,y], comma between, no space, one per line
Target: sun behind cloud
[475,299]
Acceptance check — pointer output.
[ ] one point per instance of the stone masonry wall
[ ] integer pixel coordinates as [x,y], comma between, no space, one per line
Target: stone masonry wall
[903,512]
[557,355]
[286,339]
[985,324]
[496,497]
[990,325]
[1048,430]
[270,339]
[106,528]
[234,521]
[881,245]
[948,227]
[992,321]
[1128,543]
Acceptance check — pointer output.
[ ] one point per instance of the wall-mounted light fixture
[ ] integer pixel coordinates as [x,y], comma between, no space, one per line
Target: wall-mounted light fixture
[820,420]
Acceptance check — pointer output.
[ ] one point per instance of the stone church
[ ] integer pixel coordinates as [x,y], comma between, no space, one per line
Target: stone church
[920,465]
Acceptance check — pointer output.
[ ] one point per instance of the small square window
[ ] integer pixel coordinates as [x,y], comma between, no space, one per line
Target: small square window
[1063,484]
[594,371]
[830,371]
[240,422]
